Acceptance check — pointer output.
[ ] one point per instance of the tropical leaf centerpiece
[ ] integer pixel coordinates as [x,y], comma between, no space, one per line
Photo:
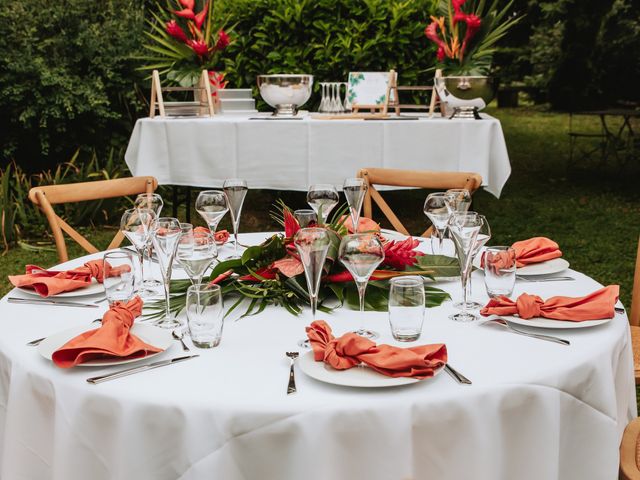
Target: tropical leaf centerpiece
[272,274]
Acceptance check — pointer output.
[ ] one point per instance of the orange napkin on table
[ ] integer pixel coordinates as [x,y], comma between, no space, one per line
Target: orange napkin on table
[595,306]
[350,349]
[221,236]
[112,339]
[52,282]
[535,250]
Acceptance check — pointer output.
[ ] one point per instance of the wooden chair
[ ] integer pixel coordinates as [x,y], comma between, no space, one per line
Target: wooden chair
[411,178]
[630,452]
[634,318]
[45,197]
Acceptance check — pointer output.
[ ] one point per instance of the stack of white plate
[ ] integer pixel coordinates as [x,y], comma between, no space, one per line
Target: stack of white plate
[237,101]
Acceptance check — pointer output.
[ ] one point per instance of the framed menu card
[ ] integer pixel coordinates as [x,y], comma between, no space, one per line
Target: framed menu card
[371,90]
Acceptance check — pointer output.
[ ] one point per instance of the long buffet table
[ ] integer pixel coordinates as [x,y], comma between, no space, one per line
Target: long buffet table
[292,154]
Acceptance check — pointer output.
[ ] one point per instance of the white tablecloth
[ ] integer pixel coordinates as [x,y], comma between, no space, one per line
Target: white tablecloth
[536,410]
[293,154]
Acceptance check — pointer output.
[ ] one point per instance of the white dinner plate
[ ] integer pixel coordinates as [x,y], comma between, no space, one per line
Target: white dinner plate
[555,265]
[94,288]
[540,322]
[362,377]
[154,336]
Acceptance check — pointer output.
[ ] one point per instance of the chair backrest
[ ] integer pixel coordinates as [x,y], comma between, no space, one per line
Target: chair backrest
[629,452]
[634,317]
[411,178]
[47,196]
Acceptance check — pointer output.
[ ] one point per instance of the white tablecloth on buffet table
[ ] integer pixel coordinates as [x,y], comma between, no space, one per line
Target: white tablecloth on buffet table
[292,154]
[536,410]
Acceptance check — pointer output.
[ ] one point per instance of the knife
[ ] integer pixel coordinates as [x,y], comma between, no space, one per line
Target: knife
[50,301]
[141,368]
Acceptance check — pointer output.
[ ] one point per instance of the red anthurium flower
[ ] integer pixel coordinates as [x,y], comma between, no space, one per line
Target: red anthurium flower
[186,13]
[220,278]
[189,4]
[223,40]
[399,255]
[289,266]
[199,47]
[264,273]
[291,225]
[200,17]
[175,31]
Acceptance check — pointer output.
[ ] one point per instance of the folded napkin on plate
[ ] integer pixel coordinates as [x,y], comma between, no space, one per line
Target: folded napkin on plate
[595,306]
[112,340]
[52,282]
[535,250]
[350,349]
[221,236]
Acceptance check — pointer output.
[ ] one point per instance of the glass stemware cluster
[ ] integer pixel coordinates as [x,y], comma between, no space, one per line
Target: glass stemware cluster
[331,100]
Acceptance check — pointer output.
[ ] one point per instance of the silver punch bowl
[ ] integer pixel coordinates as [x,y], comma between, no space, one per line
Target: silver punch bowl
[286,93]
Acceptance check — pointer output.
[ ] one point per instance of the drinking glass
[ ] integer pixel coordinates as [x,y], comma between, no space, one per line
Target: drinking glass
[484,235]
[464,228]
[406,307]
[499,271]
[166,235]
[152,201]
[437,210]
[196,253]
[235,189]
[212,205]
[322,198]
[354,190]
[118,279]
[361,253]
[135,225]
[458,200]
[305,217]
[205,315]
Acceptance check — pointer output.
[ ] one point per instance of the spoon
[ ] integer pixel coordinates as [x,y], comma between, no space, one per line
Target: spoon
[178,334]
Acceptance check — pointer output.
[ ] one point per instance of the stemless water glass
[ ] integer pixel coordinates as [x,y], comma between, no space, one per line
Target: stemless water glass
[205,315]
[166,235]
[406,307]
[305,217]
[354,190]
[499,271]
[152,201]
[196,252]
[458,200]
[437,210]
[322,198]
[118,279]
[464,228]
[361,253]
[212,205]
[135,224]
[235,189]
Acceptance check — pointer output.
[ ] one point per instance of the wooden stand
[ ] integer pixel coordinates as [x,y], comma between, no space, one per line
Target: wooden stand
[392,89]
[201,106]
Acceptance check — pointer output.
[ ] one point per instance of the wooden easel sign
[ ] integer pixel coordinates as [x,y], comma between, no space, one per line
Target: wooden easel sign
[371,90]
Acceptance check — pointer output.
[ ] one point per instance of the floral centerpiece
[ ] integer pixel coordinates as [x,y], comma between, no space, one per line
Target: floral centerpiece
[272,274]
[183,41]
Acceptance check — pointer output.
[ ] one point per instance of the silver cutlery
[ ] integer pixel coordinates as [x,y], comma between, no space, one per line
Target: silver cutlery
[457,376]
[544,279]
[142,368]
[50,301]
[618,309]
[38,341]
[178,336]
[502,322]
[291,388]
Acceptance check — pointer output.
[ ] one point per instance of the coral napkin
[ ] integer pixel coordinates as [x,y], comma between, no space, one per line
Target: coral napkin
[51,282]
[595,306]
[112,339]
[221,236]
[535,250]
[350,349]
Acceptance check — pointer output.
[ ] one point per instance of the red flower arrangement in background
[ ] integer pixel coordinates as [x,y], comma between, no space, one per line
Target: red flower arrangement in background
[449,44]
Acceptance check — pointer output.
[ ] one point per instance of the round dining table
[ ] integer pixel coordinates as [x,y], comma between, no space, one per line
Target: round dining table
[536,410]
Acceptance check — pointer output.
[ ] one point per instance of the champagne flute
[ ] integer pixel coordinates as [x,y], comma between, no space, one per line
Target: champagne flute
[135,225]
[464,228]
[361,253]
[212,205]
[484,235]
[322,198]
[166,235]
[354,190]
[235,189]
[196,253]
[436,208]
[312,245]
[152,201]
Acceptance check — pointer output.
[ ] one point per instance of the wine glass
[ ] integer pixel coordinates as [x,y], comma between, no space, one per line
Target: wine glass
[322,198]
[484,235]
[212,205]
[312,245]
[354,190]
[464,228]
[436,208]
[135,225]
[235,189]
[118,276]
[166,235]
[305,217]
[361,253]
[458,200]
[196,253]
[154,202]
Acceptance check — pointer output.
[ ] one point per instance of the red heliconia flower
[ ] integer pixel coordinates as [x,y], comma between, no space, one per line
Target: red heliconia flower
[457,5]
[440,54]
[432,34]
[264,274]
[200,47]
[291,225]
[400,255]
[223,40]
[175,31]
[473,25]
[200,17]
[189,4]
[217,82]
[186,13]
[459,17]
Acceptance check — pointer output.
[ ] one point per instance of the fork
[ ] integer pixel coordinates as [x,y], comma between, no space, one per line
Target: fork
[291,388]
[38,341]
[502,322]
